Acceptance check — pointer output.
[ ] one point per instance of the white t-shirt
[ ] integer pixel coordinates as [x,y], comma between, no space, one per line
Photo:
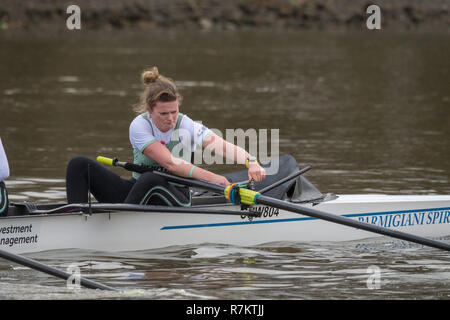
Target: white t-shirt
[4,167]
[143,132]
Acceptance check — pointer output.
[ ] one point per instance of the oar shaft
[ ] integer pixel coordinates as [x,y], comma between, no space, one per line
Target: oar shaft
[351,223]
[288,178]
[143,168]
[193,182]
[51,271]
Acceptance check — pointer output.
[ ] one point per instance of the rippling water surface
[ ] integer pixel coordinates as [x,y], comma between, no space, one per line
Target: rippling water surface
[272,271]
[369,112]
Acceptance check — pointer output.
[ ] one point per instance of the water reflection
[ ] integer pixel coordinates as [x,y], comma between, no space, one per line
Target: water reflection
[272,271]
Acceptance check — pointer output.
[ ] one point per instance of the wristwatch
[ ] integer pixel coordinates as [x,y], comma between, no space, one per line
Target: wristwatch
[250,158]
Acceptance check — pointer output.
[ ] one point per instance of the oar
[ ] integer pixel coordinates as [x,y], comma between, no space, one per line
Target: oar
[49,270]
[351,223]
[170,177]
[238,195]
[281,181]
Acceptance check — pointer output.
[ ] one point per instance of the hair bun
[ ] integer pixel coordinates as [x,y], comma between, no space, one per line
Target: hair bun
[150,76]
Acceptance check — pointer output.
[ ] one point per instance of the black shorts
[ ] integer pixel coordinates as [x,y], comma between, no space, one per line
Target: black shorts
[108,187]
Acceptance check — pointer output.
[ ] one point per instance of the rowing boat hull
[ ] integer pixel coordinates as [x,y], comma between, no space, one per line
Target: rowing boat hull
[427,216]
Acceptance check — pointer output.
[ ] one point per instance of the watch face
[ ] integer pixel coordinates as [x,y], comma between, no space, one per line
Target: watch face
[251,158]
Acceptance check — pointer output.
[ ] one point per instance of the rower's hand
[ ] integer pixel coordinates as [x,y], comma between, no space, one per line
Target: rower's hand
[221,180]
[256,172]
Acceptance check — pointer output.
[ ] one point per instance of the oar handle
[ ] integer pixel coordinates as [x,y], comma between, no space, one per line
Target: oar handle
[106,160]
[139,168]
[143,168]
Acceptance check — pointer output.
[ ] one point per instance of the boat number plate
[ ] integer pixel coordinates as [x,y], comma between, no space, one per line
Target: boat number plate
[262,212]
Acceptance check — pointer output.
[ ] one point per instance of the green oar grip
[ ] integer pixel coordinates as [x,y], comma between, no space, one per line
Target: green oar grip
[105,160]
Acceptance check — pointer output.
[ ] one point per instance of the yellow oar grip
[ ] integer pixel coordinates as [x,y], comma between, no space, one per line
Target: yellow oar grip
[105,160]
[247,196]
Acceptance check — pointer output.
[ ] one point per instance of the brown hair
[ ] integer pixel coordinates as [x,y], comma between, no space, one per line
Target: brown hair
[157,88]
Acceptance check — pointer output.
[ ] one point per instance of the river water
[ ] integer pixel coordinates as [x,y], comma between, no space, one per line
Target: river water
[368,110]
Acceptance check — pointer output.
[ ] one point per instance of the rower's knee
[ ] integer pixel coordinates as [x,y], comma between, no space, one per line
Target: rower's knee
[78,162]
[79,166]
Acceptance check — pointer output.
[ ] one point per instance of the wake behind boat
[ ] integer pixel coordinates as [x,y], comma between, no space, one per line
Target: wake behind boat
[213,219]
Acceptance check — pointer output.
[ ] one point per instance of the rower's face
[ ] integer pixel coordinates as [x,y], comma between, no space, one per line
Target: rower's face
[165,115]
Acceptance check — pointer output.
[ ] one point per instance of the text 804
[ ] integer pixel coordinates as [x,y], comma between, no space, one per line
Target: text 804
[264,212]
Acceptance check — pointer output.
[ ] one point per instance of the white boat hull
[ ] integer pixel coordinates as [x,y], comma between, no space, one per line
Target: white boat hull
[427,216]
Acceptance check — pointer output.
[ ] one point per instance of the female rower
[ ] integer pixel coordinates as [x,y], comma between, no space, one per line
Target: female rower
[165,139]
[4,173]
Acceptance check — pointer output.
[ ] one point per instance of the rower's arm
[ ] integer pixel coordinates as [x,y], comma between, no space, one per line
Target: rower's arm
[180,167]
[225,149]
[235,153]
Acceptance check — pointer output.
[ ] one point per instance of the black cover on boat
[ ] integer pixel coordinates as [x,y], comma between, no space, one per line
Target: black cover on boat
[305,191]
